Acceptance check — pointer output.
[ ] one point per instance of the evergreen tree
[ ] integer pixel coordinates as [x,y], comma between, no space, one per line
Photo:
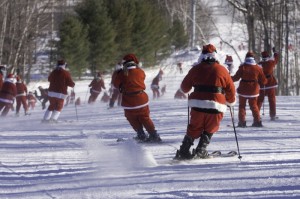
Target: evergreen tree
[101,33]
[178,35]
[74,45]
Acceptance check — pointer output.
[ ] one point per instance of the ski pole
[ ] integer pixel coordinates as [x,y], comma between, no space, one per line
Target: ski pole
[263,113]
[86,94]
[76,111]
[188,111]
[237,143]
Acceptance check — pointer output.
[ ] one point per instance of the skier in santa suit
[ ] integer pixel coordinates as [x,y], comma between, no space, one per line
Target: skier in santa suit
[179,94]
[131,82]
[251,76]
[268,64]
[96,85]
[7,94]
[60,80]
[2,75]
[21,97]
[155,84]
[116,95]
[213,91]
[31,100]
[229,63]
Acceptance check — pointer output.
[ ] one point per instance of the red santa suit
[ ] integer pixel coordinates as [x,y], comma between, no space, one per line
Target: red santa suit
[60,80]
[96,85]
[269,89]
[115,92]
[21,97]
[213,90]
[251,76]
[7,94]
[130,80]
[155,84]
[31,100]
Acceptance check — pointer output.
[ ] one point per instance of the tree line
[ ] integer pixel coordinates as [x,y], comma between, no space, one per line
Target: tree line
[95,34]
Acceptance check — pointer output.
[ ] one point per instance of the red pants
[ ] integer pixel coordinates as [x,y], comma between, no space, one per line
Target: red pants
[271,98]
[56,104]
[31,104]
[115,95]
[93,97]
[203,122]
[253,107]
[21,100]
[6,107]
[139,118]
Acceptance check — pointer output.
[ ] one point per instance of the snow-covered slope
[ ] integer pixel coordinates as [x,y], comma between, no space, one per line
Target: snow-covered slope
[81,158]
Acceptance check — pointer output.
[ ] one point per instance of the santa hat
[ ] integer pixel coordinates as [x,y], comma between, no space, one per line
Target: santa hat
[249,59]
[265,54]
[130,58]
[250,54]
[208,53]
[228,59]
[10,78]
[61,63]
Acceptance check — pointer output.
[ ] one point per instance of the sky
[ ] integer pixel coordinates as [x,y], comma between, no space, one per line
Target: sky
[79,157]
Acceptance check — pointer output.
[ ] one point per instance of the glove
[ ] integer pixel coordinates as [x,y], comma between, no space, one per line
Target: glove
[273,49]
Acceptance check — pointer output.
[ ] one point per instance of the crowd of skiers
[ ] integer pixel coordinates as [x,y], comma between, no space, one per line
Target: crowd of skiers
[210,84]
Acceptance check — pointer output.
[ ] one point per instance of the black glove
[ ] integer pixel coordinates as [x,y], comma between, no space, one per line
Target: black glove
[273,49]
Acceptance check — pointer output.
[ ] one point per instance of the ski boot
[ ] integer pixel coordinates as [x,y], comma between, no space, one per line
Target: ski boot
[153,137]
[257,124]
[242,124]
[141,136]
[200,151]
[184,152]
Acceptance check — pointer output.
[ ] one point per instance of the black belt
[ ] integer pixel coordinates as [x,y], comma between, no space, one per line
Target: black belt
[268,76]
[205,110]
[132,93]
[208,89]
[246,80]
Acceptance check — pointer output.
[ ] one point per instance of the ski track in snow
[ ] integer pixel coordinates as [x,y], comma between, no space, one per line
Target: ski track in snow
[81,159]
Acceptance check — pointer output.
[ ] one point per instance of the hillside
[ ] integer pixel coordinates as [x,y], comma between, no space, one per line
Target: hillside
[81,158]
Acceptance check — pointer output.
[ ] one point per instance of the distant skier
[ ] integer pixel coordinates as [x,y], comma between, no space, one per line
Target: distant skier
[251,76]
[60,80]
[179,67]
[115,92]
[130,80]
[229,63]
[96,85]
[7,94]
[43,96]
[31,100]
[179,94]
[2,74]
[268,64]
[21,97]
[213,92]
[155,84]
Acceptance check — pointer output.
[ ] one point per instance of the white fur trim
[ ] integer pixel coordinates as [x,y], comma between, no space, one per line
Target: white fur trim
[6,101]
[131,67]
[207,104]
[250,61]
[136,107]
[269,87]
[249,96]
[21,94]
[231,104]
[57,95]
